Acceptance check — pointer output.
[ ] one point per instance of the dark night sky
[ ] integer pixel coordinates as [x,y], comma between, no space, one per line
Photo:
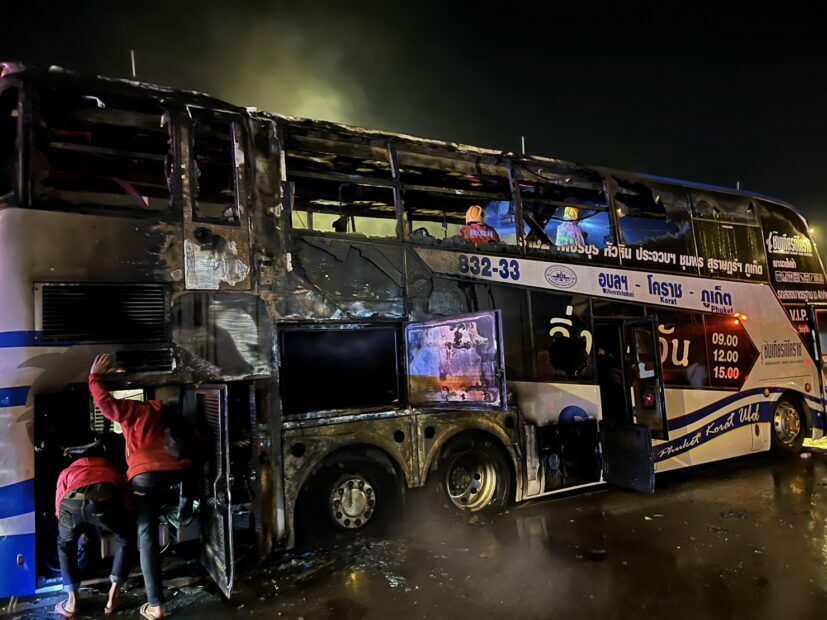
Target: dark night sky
[710,97]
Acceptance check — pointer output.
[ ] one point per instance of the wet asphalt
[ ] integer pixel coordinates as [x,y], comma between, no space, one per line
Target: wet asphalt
[744,539]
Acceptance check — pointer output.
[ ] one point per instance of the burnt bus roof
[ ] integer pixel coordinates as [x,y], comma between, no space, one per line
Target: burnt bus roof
[57,76]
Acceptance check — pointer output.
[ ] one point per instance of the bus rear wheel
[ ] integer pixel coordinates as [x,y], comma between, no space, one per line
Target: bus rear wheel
[789,426]
[473,475]
[349,494]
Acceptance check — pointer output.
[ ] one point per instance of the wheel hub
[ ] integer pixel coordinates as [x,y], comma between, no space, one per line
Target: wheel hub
[471,480]
[352,502]
[787,423]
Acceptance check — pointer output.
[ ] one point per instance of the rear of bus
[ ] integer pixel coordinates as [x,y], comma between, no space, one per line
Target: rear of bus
[92,234]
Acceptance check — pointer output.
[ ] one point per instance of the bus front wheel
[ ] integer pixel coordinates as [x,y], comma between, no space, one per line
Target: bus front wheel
[789,426]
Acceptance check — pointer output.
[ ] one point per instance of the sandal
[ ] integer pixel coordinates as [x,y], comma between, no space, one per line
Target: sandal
[145,612]
[61,610]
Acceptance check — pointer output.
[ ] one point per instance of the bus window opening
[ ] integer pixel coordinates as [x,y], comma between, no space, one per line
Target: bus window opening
[98,150]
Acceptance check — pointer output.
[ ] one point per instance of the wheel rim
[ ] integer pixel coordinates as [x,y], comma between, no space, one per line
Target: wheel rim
[471,480]
[352,502]
[787,423]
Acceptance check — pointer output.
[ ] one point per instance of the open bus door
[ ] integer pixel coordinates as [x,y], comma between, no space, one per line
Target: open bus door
[216,507]
[627,441]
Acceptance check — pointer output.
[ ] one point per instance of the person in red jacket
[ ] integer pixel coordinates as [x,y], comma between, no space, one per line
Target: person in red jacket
[91,491]
[476,231]
[152,471]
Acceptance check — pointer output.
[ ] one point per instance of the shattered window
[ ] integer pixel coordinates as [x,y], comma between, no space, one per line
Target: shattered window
[562,337]
[216,150]
[8,141]
[101,150]
[655,226]
[340,187]
[565,213]
[456,202]
[722,207]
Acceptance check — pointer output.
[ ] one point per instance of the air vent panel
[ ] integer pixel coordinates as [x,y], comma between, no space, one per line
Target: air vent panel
[104,313]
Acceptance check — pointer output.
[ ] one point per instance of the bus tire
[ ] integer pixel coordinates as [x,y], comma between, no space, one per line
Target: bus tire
[347,495]
[788,426]
[473,475]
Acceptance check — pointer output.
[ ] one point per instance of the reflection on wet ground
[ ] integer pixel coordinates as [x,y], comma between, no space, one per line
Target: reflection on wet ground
[740,540]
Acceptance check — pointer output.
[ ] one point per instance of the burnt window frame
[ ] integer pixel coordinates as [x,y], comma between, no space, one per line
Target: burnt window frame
[537,171]
[473,162]
[612,177]
[241,175]
[288,132]
[32,98]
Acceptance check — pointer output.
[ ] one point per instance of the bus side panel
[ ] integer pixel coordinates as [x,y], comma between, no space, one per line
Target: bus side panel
[17,544]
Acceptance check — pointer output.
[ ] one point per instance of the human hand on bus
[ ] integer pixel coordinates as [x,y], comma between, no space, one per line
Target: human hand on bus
[102,365]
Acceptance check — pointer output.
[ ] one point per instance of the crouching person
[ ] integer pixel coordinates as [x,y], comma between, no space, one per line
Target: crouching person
[92,491]
[153,470]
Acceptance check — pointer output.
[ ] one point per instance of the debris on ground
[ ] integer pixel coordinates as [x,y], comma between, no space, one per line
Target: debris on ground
[315,572]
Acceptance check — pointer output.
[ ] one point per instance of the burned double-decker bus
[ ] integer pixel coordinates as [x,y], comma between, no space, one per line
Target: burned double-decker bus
[348,314]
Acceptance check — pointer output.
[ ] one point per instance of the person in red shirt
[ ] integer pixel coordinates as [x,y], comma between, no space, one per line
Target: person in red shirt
[476,231]
[91,491]
[153,469]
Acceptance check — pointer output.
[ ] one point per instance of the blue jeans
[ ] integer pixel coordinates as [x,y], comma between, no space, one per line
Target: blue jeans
[102,507]
[153,490]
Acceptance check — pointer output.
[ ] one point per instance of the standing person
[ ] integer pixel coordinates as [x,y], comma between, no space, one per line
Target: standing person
[476,231]
[154,468]
[92,491]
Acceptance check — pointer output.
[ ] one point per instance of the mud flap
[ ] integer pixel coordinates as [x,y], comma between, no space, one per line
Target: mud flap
[216,507]
[627,457]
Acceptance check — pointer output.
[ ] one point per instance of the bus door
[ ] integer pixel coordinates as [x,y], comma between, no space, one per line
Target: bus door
[216,507]
[631,386]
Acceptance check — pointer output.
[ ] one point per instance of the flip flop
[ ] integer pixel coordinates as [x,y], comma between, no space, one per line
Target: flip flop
[62,611]
[145,612]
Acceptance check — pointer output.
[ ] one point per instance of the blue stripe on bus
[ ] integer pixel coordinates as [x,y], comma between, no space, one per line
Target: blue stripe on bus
[17,565]
[15,340]
[700,414]
[14,396]
[10,340]
[717,427]
[17,499]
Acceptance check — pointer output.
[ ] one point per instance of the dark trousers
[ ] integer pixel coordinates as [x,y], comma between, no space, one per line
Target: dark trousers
[153,491]
[102,507]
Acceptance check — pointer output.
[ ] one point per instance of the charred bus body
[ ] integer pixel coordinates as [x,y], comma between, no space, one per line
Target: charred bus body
[298,287]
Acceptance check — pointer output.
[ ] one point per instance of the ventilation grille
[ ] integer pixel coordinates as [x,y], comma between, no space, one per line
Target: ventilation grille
[104,313]
[156,360]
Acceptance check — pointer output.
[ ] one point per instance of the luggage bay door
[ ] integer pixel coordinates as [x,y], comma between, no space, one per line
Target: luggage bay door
[216,507]
[456,362]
